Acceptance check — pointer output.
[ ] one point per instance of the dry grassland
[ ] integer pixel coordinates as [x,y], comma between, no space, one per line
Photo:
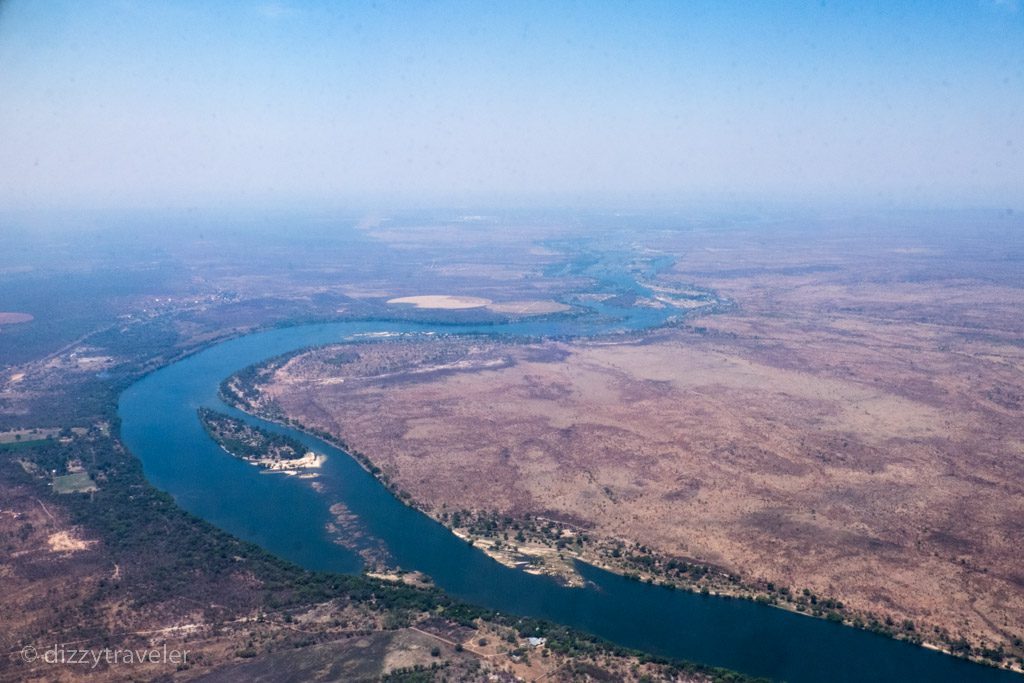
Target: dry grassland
[862,439]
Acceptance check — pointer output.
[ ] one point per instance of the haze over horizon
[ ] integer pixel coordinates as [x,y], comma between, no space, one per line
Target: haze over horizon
[123,104]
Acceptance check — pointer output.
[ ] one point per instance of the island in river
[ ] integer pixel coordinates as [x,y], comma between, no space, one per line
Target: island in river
[272,452]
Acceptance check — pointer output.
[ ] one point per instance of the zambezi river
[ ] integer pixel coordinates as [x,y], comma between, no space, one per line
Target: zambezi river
[286,516]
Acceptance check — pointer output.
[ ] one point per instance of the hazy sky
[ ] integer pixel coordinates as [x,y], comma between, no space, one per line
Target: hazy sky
[111,104]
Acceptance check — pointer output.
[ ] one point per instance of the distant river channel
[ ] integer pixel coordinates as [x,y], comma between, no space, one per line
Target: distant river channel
[288,518]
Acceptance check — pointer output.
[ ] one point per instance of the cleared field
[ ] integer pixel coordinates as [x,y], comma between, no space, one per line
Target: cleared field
[25,435]
[452,302]
[76,482]
[528,307]
[441,301]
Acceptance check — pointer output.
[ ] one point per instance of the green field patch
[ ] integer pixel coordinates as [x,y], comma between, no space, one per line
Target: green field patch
[21,445]
[19,435]
[77,482]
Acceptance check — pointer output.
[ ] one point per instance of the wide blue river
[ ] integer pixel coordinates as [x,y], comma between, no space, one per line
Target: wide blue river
[287,517]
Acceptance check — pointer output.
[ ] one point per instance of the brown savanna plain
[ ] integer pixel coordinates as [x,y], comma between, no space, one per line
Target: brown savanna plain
[854,426]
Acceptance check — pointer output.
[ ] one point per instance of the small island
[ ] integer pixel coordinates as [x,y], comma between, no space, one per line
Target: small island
[273,452]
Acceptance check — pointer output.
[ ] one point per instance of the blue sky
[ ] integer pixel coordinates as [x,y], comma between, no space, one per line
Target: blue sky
[146,104]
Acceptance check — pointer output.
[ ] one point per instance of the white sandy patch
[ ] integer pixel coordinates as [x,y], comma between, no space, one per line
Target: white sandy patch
[310,460]
[443,301]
